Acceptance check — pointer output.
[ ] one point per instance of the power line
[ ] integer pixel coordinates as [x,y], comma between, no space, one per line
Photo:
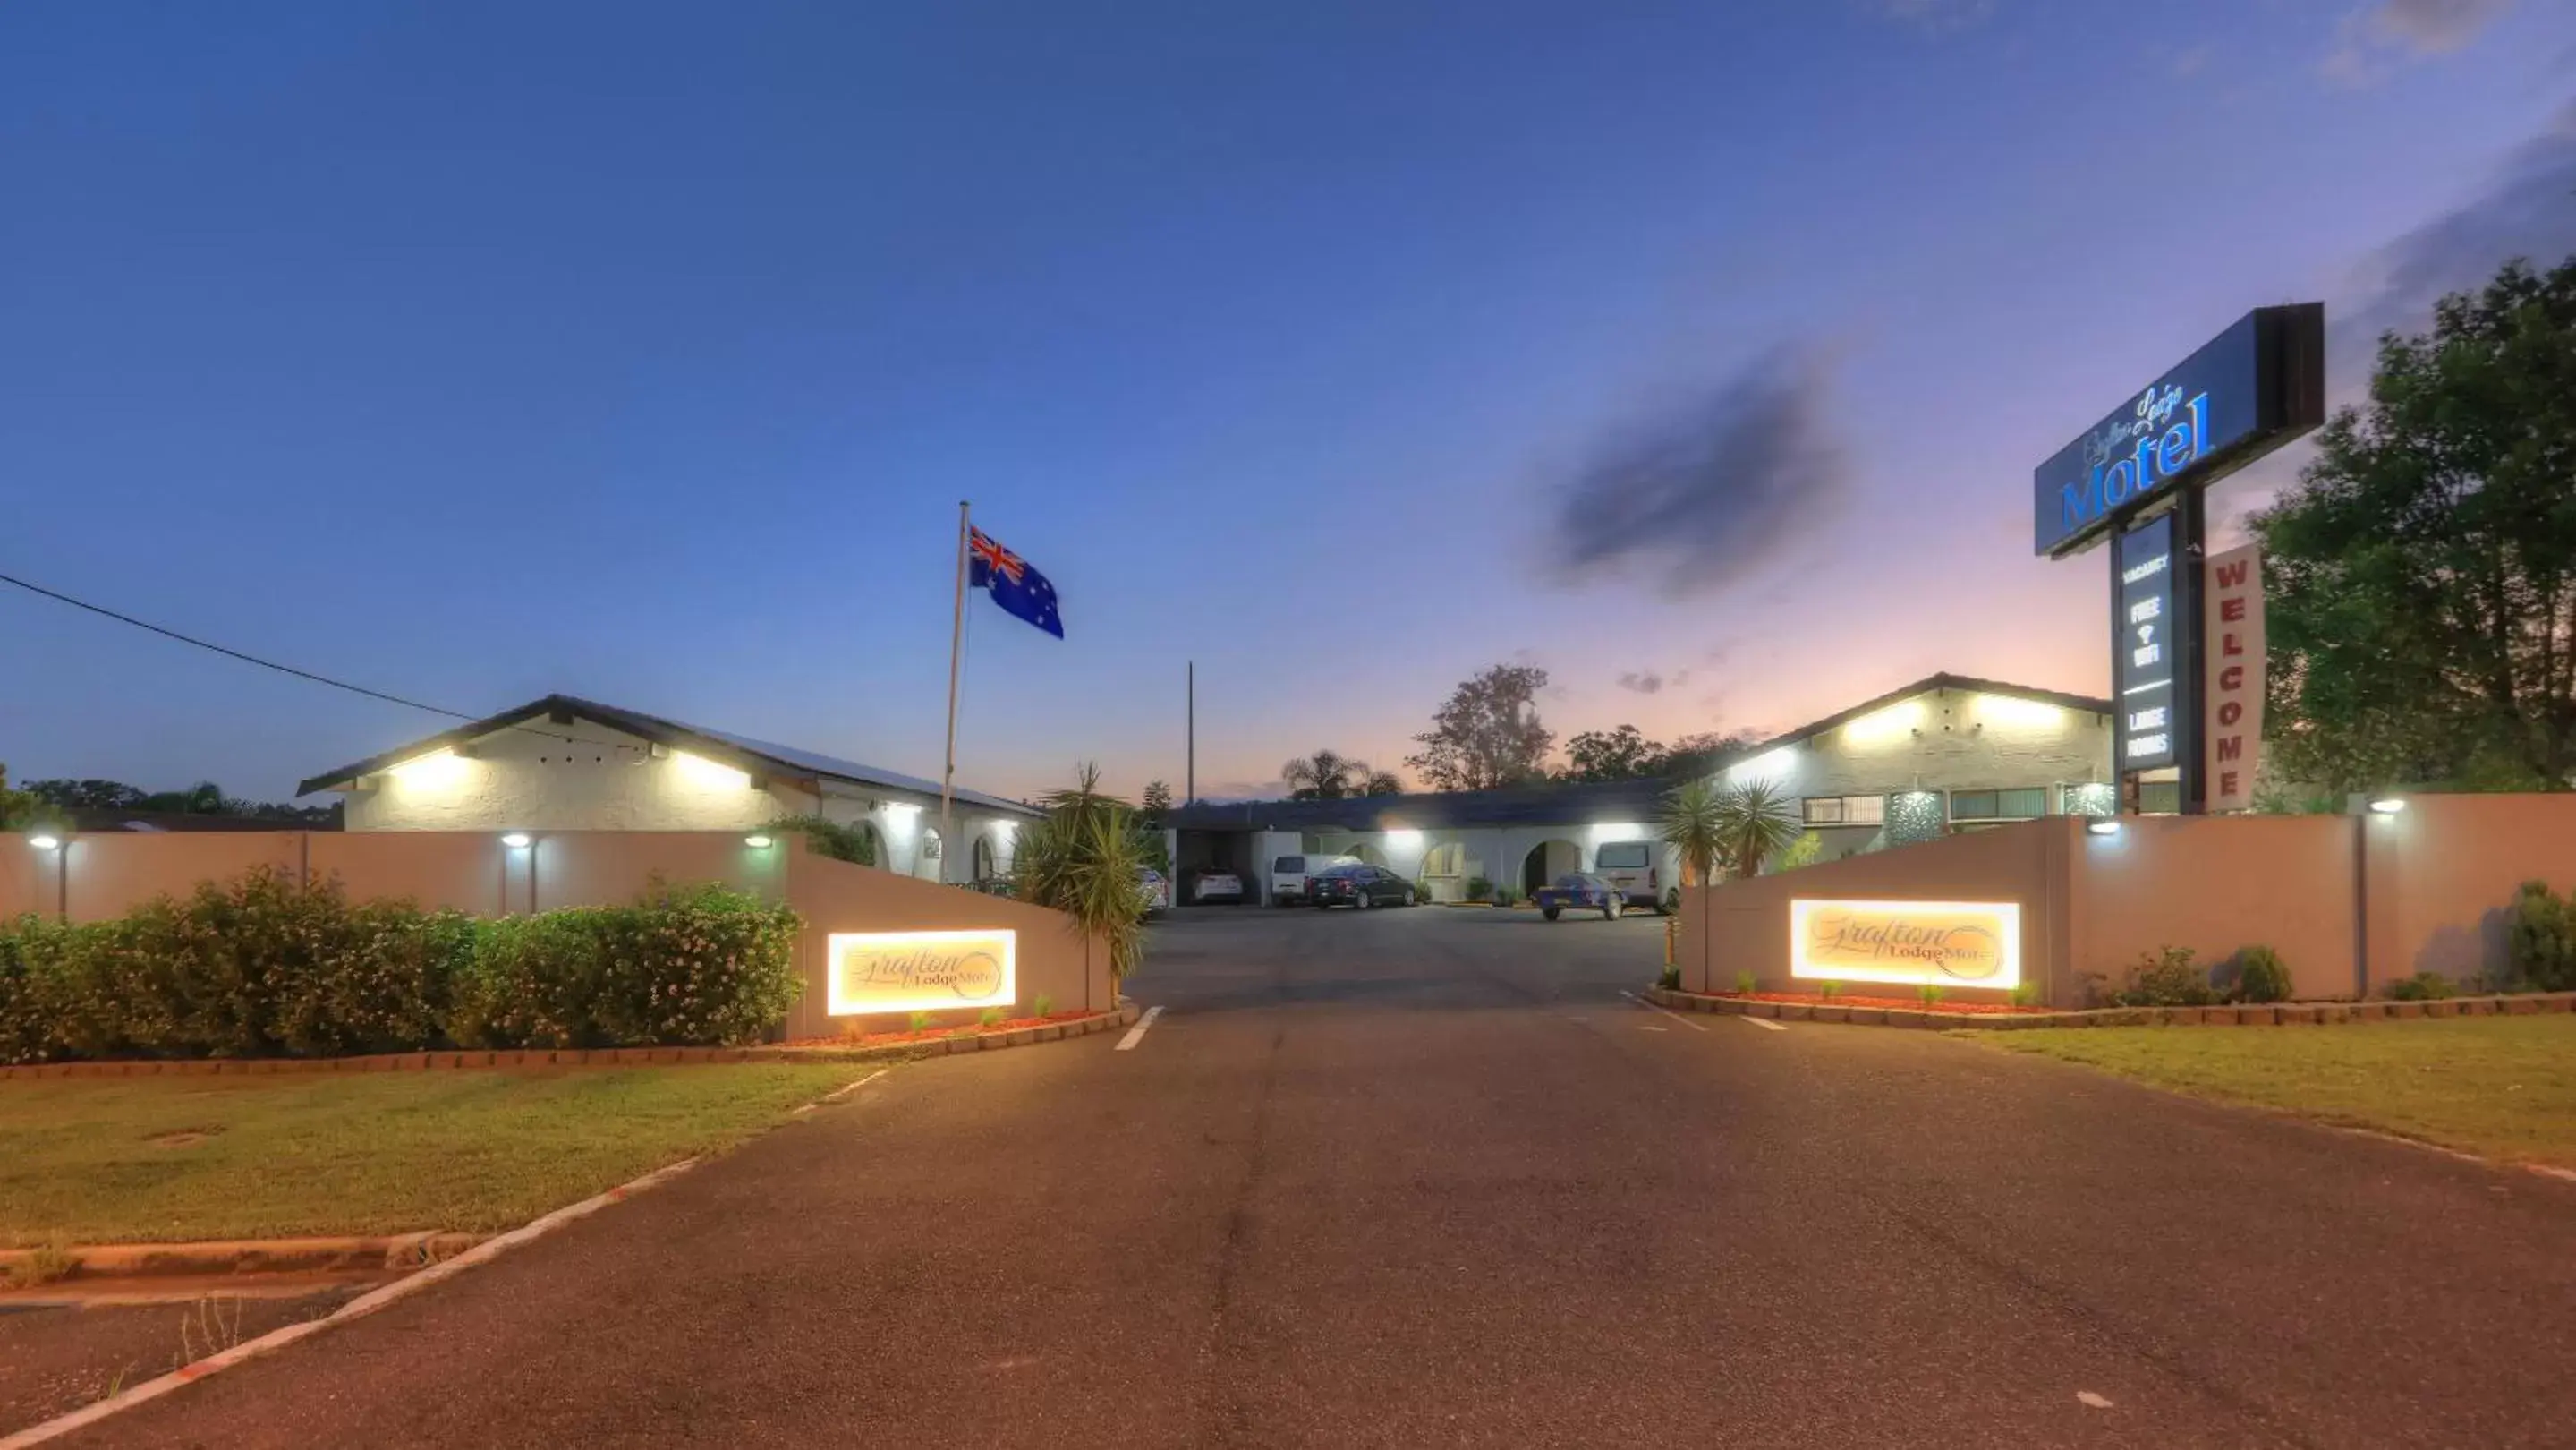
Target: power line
[232,653]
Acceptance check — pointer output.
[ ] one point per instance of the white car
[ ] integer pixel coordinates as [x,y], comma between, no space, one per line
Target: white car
[1222,886]
[1289,875]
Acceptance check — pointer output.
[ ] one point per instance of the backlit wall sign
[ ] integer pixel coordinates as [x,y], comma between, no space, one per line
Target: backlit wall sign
[919,971]
[2246,392]
[1914,943]
[2145,647]
[2234,657]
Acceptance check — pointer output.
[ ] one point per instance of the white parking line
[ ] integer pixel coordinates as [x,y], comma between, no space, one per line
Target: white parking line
[1136,1033]
[1667,1011]
[1763,1022]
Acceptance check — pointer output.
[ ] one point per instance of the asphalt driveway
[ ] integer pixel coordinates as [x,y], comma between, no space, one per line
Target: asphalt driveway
[1426,1177]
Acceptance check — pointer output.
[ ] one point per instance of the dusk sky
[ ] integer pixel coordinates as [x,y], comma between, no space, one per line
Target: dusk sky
[1698,353]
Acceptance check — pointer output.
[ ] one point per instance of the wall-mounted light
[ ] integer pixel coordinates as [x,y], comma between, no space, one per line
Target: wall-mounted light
[2387,805]
[45,841]
[437,770]
[757,843]
[705,774]
[1405,839]
[2102,827]
[2011,710]
[1619,831]
[1896,722]
[516,840]
[1770,765]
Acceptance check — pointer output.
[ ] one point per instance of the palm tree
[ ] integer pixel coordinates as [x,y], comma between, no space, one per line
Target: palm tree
[1692,826]
[1082,858]
[1326,775]
[1755,822]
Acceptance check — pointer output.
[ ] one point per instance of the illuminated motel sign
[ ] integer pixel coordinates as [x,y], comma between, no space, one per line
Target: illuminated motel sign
[2136,478]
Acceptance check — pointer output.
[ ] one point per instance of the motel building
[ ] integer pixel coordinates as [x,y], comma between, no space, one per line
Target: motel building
[568,764]
[1944,754]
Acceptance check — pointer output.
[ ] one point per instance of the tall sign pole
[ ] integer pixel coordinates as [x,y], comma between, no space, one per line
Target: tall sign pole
[2138,478]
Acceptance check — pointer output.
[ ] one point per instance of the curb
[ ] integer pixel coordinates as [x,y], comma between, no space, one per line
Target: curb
[368,1303]
[973,1039]
[260,1256]
[2285,1014]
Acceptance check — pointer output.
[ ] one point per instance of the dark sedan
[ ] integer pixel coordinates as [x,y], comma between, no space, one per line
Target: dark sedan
[1579,892]
[1355,883]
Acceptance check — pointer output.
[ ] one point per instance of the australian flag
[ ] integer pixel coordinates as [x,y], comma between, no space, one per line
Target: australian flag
[1015,586]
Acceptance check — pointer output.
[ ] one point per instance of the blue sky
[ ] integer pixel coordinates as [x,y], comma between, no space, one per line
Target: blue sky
[644,351]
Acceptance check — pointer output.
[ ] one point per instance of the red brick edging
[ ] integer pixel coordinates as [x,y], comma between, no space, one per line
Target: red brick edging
[2284,1014]
[1123,1015]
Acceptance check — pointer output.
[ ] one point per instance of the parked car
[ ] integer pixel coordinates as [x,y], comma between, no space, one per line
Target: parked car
[1153,890]
[1630,867]
[1357,883]
[1580,891]
[1217,888]
[1289,874]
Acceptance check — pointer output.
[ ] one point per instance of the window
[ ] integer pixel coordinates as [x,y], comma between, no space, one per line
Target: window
[1289,865]
[1621,856]
[2018,803]
[1846,810]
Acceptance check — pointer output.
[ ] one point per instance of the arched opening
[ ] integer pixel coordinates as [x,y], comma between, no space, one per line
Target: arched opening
[1446,861]
[1547,861]
[925,856]
[985,866]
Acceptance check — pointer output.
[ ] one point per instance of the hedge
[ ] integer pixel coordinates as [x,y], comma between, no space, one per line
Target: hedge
[267,966]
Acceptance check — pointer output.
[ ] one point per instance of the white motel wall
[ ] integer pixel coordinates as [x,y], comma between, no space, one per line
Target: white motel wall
[567,768]
[1945,752]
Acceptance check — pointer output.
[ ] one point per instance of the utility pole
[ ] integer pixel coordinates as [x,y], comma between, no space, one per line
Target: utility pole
[1190,776]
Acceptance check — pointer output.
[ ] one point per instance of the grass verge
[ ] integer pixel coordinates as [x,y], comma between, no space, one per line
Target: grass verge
[2499,1087]
[162,1159]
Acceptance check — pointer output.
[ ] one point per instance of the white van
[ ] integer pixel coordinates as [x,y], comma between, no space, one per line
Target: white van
[1288,876]
[1633,869]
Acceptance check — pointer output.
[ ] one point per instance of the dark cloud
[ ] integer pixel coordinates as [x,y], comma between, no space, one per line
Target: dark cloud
[2528,210]
[1697,496]
[1644,682]
[2371,41]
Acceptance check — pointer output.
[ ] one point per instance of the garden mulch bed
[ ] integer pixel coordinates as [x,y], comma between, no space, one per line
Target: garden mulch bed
[1910,1004]
[943,1034]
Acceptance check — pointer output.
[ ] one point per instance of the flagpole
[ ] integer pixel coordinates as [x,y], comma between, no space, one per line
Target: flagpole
[956,642]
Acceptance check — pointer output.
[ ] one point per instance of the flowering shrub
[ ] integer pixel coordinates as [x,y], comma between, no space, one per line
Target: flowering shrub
[267,966]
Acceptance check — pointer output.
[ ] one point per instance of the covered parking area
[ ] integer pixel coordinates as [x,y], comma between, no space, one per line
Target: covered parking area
[1516,839]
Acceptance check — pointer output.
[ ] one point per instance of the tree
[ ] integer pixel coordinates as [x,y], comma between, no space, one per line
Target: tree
[1755,822]
[88,795]
[2421,575]
[1157,803]
[1690,825]
[1702,753]
[1620,754]
[1326,775]
[1084,858]
[1488,734]
[1382,782]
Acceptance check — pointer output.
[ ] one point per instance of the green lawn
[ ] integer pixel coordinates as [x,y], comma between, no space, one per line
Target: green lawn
[104,1160]
[2500,1087]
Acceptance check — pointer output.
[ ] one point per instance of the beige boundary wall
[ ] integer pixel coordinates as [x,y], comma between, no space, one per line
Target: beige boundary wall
[100,876]
[2351,903]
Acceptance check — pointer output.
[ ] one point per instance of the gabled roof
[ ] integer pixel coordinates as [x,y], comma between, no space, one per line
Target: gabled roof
[1562,801]
[753,757]
[2083,704]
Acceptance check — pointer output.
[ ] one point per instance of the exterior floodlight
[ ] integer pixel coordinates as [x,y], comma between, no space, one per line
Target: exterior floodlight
[2103,827]
[757,843]
[44,841]
[516,840]
[2387,805]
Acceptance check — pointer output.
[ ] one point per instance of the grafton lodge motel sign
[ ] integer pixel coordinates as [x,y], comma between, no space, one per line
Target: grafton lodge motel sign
[2136,478]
